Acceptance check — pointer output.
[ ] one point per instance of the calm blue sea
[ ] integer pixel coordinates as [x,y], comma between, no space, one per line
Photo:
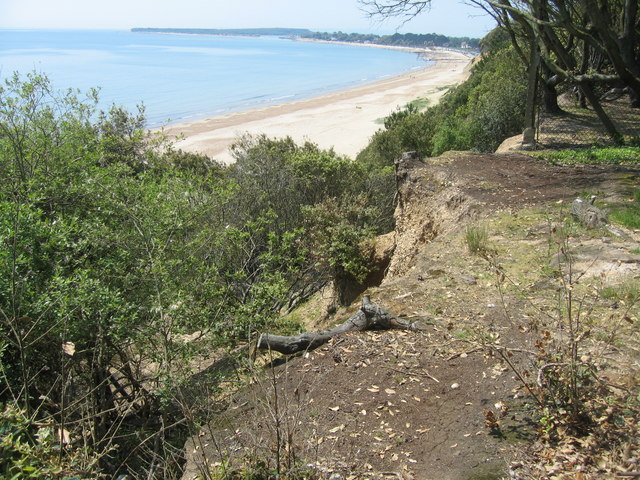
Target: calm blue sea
[185,77]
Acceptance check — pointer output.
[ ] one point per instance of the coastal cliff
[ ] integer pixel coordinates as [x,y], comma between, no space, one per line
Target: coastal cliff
[444,402]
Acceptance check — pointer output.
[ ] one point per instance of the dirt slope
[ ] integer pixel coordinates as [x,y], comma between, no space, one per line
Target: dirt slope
[414,404]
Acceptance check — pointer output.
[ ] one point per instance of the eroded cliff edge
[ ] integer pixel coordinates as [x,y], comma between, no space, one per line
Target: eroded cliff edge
[413,404]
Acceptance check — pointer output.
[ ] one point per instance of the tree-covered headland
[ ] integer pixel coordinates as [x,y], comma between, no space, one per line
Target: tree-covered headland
[418,40]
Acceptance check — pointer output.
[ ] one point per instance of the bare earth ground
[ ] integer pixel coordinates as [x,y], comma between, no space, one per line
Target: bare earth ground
[398,404]
[343,120]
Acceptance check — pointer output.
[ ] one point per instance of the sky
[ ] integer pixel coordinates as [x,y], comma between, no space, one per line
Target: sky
[447,17]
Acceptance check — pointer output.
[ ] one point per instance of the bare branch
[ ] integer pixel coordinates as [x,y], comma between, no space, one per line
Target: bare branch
[406,9]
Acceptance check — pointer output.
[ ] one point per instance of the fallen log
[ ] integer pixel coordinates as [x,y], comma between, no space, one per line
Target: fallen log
[369,317]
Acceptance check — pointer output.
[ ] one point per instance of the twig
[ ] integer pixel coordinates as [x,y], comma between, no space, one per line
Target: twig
[413,373]
[391,474]
[549,365]
[456,355]
[517,373]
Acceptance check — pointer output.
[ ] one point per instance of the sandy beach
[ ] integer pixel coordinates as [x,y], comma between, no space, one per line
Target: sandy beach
[343,120]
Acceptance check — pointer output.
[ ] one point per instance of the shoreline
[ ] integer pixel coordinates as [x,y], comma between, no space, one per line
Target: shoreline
[343,120]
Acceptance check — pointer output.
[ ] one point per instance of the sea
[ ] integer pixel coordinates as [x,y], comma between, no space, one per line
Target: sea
[181,78]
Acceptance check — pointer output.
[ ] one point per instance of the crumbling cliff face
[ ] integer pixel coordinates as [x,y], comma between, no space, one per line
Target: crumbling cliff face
[430,202]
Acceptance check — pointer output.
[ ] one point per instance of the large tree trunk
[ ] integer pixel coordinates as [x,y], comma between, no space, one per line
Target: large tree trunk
[606,121]
[620,48]
[532,87]
[549,91]
[369,317]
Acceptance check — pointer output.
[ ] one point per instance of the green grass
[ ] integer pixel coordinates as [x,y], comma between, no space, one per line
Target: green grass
[476,238]
[627,215]
[420,103]
[594,155]
[629,291]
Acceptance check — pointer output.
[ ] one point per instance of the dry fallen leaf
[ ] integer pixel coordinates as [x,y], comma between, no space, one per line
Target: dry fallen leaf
[69,348]
[337,429]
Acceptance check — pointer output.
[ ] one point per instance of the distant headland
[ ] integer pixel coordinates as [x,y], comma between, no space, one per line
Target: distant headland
[397,39]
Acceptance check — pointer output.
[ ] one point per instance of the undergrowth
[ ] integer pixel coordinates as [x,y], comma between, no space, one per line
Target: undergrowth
[586,421]
[594,155]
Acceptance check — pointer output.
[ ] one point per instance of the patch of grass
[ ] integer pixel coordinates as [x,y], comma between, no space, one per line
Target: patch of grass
[594,155]
[420,103]
[476,237]
[628,291]
[411,108]
[464,334]
[627,215]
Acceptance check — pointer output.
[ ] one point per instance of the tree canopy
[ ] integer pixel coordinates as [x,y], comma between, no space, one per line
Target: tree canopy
[583,42]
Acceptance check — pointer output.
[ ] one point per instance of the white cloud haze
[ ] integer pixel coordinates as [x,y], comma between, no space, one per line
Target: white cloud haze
[448,17]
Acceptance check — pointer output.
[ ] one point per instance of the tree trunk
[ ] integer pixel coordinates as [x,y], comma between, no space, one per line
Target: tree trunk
[369,317]
[532,87]
[549,92]
[602,115]
[621,49]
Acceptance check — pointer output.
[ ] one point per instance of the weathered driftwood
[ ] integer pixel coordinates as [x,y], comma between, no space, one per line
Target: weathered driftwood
[369,317]
[588,214]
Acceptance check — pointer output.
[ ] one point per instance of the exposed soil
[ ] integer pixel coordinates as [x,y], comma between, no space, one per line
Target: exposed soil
[415,404]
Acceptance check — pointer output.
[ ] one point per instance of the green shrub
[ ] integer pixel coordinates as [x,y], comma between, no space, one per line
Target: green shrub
[29,450]
[476,115]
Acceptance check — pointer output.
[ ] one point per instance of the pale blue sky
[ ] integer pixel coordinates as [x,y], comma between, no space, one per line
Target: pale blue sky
[449,17]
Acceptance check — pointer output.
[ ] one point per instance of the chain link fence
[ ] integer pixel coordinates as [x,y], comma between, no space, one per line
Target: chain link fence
[580,127]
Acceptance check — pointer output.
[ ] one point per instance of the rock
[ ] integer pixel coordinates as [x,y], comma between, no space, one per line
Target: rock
[469,280]
[588,214]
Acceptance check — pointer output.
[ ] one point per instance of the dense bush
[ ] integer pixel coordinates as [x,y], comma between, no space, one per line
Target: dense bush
[476,115]
[115,248]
